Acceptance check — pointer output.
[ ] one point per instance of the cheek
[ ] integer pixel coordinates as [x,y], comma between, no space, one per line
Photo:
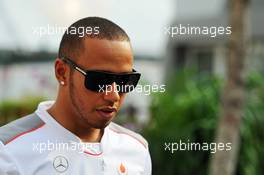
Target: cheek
[122,98]
[87,99]
[90,99]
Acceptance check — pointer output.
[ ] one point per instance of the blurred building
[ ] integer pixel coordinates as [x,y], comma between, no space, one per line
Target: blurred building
[208,54]
[25,74]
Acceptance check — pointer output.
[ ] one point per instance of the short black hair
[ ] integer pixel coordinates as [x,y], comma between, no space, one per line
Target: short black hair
[72,43]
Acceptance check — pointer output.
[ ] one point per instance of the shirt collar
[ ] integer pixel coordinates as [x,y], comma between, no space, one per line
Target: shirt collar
[59,129]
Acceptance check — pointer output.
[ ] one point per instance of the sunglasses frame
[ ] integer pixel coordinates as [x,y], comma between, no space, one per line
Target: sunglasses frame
[85,72]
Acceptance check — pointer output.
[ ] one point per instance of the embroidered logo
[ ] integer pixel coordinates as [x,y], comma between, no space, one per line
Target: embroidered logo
[60,164]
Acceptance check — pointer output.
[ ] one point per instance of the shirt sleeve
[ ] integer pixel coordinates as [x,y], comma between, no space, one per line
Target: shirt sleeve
[148,166]
[7,165]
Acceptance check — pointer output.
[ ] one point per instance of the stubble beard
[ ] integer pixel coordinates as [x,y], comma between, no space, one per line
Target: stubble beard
[83,119]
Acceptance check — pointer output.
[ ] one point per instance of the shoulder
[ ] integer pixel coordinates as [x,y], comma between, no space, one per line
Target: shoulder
[19,127]
[126,132]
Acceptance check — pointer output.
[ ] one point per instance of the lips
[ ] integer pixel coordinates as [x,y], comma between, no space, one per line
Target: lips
[106,112]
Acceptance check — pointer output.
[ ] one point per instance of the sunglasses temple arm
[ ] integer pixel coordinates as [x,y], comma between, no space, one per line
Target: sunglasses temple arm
[72,64]
[80,70]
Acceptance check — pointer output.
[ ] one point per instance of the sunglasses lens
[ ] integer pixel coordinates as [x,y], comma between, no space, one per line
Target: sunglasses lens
[127,83]
[99,81]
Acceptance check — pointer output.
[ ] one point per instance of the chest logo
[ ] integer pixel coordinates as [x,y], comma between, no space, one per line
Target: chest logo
[122,170]
[60,164]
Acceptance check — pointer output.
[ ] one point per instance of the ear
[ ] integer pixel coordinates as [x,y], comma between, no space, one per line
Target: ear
[61,71]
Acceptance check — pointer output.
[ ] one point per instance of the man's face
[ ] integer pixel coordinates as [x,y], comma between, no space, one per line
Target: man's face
[96,109]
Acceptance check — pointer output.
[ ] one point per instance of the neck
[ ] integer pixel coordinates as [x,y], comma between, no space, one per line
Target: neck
[69,121]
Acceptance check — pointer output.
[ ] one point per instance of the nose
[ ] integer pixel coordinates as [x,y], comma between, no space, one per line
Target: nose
[111,94]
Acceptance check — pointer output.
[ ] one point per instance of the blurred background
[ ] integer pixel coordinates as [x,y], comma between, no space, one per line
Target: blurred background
[194,68]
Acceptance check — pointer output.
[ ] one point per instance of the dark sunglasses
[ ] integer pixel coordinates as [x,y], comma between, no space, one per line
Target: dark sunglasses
[99,81]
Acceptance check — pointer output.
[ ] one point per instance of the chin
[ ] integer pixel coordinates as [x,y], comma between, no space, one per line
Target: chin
[99,124]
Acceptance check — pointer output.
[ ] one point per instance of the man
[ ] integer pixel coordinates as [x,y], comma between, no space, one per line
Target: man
[75,134]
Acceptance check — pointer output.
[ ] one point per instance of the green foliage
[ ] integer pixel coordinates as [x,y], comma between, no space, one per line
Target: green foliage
[189,112]
[13,109]
[251,156]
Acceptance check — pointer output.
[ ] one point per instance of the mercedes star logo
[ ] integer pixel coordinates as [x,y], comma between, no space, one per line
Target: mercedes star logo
[60,164]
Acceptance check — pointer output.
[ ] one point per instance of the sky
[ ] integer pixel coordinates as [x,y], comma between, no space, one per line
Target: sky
[144,21]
